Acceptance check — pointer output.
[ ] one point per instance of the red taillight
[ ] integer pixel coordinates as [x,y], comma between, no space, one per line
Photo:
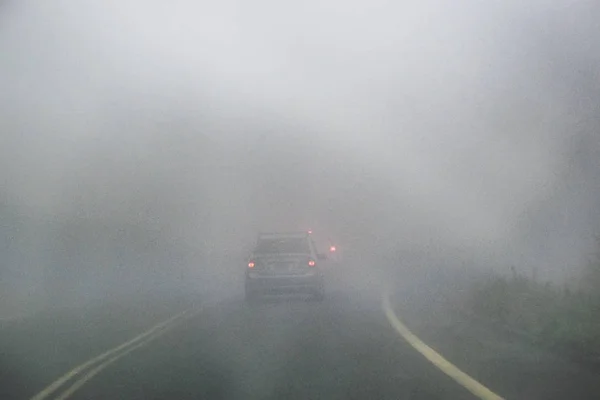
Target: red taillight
[251,264]
[332,249]
[311,263]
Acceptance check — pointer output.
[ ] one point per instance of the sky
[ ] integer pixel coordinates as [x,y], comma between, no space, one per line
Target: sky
[393,126]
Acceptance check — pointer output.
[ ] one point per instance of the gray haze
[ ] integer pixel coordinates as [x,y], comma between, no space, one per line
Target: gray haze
[154,139]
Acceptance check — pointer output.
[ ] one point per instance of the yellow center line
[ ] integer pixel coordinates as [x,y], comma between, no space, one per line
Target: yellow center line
[54,386]
[435,358]
[96,370]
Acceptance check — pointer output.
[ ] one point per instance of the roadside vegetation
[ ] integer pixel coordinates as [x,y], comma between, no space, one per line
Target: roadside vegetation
[563,319]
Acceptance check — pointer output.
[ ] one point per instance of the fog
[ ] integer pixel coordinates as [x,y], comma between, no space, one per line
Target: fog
[145,144]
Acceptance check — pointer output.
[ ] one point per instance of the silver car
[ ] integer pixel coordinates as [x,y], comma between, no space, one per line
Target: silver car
[284,263]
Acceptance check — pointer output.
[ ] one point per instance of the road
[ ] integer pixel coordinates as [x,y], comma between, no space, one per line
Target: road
[343,347]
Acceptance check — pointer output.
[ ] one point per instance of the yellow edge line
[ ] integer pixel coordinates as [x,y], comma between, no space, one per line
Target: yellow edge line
[435,358]
[54,386]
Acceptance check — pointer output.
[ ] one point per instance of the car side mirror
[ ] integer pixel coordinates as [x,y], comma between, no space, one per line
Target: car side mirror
[322,256]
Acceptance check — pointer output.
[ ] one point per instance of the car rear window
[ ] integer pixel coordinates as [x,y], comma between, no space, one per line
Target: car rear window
[282,245]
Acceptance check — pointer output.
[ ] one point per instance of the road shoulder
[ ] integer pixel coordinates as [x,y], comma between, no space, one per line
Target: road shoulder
[505,361]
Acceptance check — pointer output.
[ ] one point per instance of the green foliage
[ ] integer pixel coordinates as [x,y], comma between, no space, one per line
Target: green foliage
[554,317]
[591,278]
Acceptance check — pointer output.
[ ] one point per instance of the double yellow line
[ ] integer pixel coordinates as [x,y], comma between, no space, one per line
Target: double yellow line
[81,374]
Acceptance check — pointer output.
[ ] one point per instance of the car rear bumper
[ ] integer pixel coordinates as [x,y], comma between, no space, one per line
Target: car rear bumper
[278,284]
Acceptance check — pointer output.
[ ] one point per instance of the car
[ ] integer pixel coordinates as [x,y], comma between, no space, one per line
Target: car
[284,263]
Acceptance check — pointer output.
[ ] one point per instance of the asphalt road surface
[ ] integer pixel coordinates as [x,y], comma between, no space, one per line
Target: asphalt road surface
[293,348]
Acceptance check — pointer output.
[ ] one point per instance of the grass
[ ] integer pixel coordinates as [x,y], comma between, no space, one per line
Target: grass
[556,318]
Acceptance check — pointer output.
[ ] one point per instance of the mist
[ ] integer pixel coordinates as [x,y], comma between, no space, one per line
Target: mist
[144,145]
